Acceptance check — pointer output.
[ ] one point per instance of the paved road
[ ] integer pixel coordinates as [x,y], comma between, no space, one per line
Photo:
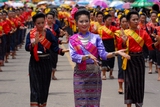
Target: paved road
[14,85]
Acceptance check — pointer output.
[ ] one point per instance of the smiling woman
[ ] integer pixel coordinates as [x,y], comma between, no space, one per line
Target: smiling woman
[85,49]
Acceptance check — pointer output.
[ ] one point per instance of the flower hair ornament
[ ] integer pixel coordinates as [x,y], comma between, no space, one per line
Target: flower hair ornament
[74,10]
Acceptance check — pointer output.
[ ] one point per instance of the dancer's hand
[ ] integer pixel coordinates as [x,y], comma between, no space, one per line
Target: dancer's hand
[65,50]
[122,53]
[94,59]
[158,38]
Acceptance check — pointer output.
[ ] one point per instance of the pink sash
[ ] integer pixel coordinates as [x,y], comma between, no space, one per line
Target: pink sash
[76,43]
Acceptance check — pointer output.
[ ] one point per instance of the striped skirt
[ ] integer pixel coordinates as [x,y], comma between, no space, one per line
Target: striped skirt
[54,59]
[40,77]
[87,86]
[134,79]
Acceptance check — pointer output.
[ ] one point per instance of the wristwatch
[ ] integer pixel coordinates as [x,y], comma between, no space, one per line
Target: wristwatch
[87,56]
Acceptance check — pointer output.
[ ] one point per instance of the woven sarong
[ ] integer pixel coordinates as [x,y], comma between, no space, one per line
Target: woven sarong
[134,80]
[87,86]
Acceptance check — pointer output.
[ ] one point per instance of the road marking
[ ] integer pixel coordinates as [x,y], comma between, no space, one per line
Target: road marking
[68,57]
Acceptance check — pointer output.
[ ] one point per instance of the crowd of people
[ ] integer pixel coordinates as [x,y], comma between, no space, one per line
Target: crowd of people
[13,25]
[95,37]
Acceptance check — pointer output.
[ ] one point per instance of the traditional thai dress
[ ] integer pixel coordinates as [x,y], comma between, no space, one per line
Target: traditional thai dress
[20,30]
[134,75]
[13,35]
[119,42]
[7,29]
[23,33]
[16,22]
[145,49]
[40,66]
[87,76]
[54,56]
[158,49]
[152,29]
[108,38]
[1,43]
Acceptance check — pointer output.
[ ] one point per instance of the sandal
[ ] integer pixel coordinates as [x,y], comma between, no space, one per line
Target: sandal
[150,72]
[54,78]
[120,91]
[104,78]
[111,77]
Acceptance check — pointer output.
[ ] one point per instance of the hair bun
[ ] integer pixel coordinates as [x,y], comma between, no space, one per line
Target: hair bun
[81,11]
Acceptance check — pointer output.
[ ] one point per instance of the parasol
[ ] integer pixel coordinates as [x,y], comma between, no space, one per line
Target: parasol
[142,3]
[83,2]
[127,5]
[116,3]
[100,3]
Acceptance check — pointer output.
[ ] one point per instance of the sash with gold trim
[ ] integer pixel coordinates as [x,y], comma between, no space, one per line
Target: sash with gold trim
[12,23]
[104,30]
[1,30]
[118,34]
[46,43]
[137,38]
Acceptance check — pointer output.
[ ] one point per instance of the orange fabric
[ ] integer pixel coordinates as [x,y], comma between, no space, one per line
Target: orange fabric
[46,44]
[51,29]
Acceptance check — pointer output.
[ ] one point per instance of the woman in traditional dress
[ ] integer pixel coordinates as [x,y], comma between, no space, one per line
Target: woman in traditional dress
[38,42]
[85,48]
[8,29]
[142,25]
[151,26]
[106,32]
[1,42]
[158,54]
[120,38]
[54,28]
[134,74]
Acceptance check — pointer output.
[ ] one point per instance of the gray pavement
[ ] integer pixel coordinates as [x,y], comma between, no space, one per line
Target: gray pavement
[14,85]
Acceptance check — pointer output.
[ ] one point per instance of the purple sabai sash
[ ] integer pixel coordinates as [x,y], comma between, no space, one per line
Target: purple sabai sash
[76,43]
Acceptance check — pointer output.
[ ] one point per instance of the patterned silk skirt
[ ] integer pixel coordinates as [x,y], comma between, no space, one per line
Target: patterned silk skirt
[87,86]
[134,79]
